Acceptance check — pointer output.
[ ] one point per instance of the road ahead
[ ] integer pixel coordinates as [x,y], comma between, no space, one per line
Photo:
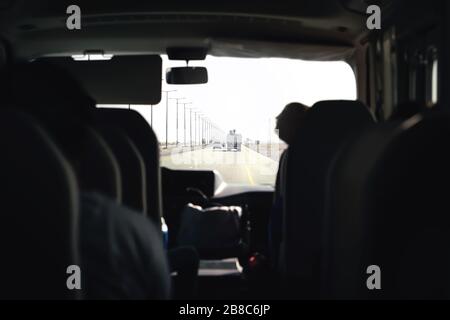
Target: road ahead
[244,167]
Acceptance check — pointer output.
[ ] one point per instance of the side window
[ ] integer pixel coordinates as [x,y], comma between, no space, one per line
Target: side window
[412,81]
[423,77]
[434,81]
[432,77]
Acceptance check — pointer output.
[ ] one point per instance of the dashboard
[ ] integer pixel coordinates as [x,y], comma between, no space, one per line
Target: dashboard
[209,182]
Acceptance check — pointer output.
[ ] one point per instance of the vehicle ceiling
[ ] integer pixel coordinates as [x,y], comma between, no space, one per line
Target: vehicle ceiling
[306,29]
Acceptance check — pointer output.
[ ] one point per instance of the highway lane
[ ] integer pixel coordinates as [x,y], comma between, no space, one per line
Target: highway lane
[245,167]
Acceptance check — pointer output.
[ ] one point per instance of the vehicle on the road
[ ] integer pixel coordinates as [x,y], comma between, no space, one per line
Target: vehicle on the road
[234,141]
[217,145]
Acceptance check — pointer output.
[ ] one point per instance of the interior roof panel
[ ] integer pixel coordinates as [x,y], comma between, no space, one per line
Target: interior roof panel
[317,22]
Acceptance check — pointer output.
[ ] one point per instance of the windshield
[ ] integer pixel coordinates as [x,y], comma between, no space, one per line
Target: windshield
[229,123]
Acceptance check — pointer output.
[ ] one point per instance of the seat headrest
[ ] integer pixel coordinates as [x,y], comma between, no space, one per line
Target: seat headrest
[331,121]
[326,126]
[39,221]
[60,103]
[41,86]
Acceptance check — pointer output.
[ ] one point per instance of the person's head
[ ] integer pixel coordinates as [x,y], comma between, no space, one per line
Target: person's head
[289,121]
[56,99]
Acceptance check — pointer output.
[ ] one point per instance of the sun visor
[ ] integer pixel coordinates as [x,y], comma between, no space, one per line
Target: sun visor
[120,80]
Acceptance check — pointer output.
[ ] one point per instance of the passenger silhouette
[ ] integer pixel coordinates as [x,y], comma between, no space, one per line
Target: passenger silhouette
[288,123]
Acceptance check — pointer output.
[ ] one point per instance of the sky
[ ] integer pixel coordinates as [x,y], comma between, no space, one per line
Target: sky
[246,94]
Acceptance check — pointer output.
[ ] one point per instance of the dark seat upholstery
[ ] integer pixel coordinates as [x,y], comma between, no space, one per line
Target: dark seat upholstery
[140,132]
[326,127]
[39,220]
[390,208]
[131,164]
[99,169]
[65,108]
[55,98]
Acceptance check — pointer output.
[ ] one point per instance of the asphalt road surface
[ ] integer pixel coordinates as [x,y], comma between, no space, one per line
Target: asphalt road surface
[245,167]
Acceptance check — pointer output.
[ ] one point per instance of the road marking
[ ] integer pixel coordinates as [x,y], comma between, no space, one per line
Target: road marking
[250,178]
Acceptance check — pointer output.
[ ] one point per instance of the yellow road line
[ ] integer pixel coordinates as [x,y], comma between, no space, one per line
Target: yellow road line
[250,178]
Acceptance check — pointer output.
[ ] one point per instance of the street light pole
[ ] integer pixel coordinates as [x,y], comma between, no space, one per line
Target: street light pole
[167,119]
[184,120]
[190,127]
[178,99]
[195,127]
[209,131]
[206,130]
[167,115]
[151,116]
[200,130]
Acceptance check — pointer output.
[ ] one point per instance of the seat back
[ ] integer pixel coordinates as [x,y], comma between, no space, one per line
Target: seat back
[325,128]
[140,132]
[390,209]
[98,168]
[39,227]
[131,165]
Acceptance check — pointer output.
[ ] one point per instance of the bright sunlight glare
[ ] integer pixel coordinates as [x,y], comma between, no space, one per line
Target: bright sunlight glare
[245,95]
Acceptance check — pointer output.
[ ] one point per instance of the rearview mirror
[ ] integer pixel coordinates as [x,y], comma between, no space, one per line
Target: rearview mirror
[187,75]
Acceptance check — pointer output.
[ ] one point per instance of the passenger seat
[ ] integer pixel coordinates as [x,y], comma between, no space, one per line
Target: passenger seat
[142,135]
[99,169]
[390,209]
[326,127]
[131,166]
[39,222]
